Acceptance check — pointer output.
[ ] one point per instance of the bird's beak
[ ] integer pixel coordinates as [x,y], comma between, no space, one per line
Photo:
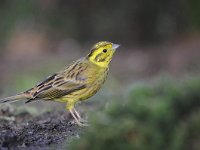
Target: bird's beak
[115,46]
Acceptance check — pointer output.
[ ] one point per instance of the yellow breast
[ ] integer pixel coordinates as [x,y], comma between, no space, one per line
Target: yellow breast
[95,78]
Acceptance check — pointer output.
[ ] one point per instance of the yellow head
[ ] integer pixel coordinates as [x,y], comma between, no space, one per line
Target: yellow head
[102,52]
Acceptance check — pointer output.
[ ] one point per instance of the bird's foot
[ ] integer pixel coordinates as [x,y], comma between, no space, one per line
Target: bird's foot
[83,120]
[79,123]
[83,124]
[77,118]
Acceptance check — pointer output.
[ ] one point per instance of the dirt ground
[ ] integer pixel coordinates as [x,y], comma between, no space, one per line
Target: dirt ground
[51,130]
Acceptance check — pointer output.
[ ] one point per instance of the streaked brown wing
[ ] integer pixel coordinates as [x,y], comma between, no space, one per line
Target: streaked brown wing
[54,87]
[55,92]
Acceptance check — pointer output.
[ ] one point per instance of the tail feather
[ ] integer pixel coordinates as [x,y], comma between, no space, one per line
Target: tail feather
[14,98]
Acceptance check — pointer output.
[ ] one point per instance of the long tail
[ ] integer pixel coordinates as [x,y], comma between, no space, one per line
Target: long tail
[14,98]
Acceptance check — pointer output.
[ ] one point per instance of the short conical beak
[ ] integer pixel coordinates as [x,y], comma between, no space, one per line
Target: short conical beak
[115,46]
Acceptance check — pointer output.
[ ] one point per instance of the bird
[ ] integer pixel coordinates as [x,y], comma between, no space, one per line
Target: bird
[78,81]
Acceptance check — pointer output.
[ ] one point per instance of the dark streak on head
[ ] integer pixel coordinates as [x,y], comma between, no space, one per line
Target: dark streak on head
[97,46]
[91,52]
[99,59]
[102,60]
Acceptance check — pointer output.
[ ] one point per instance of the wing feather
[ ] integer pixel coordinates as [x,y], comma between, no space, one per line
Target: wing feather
[59,85]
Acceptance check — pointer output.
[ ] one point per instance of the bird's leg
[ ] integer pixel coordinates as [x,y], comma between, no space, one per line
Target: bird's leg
[70,107]
[78,115]
[76,119]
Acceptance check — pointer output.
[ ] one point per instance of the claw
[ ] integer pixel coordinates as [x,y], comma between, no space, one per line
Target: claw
[77,118]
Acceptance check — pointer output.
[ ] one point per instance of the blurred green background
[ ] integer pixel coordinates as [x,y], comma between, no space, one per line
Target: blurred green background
[158,39]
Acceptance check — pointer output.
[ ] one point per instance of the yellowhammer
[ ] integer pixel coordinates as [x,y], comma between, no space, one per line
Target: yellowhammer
[77,82]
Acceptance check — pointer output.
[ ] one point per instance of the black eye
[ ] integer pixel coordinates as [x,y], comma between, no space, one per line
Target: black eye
[105,50]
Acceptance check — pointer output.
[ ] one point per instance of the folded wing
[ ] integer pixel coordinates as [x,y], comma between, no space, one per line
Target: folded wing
[54,87]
